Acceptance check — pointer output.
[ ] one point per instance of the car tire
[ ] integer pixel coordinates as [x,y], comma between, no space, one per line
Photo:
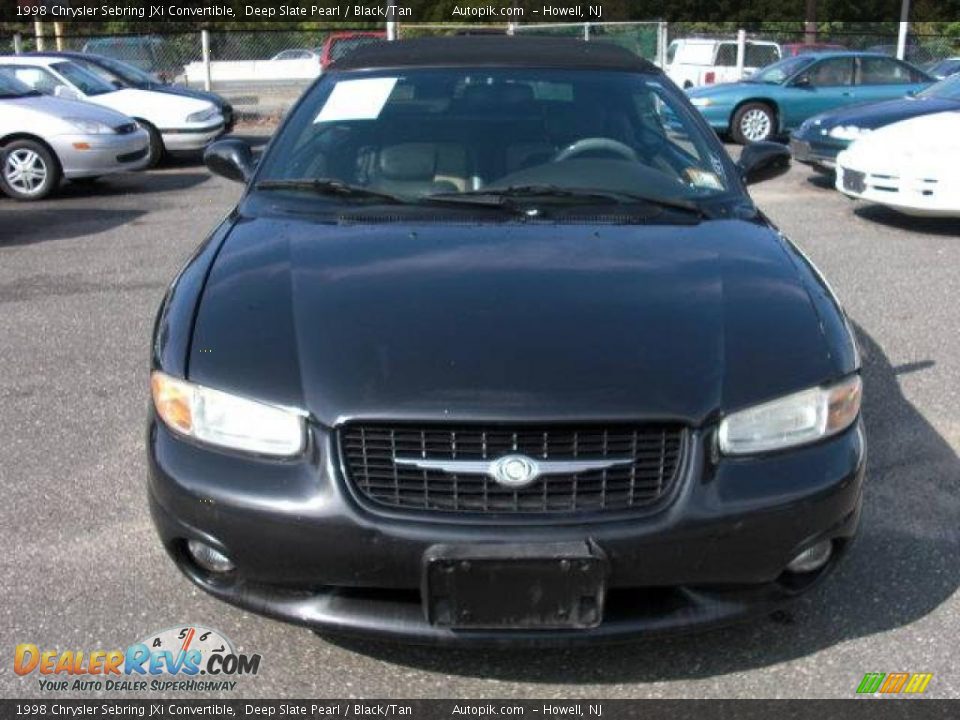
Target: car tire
[157,151]
[753,122]
[28,170]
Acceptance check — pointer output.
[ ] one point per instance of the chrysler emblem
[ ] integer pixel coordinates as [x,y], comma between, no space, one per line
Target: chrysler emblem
[514,471]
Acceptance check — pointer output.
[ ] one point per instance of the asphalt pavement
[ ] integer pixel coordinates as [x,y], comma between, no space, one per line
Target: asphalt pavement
[81,277]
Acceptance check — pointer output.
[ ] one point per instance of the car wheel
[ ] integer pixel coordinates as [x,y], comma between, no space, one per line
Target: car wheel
[156,145]
[752,123]
[29,170]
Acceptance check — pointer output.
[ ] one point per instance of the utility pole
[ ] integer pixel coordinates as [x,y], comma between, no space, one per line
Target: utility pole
[904,28]
[810,23]
[391,23]
[38,32]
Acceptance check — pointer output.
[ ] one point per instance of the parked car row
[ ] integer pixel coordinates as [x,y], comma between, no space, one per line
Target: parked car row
[74,116]
[781,96]
[884,126]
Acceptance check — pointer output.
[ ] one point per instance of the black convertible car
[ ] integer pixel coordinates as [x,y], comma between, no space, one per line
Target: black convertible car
[496,348]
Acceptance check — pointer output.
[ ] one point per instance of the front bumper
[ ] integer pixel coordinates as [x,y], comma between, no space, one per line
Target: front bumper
[306,552]
[191,137]
[817,150]
[104,154]
[911,193]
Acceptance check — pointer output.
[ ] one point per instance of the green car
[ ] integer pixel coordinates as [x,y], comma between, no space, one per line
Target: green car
[781,96]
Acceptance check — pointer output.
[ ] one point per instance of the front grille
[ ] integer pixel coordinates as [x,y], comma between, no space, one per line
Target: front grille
[654,452]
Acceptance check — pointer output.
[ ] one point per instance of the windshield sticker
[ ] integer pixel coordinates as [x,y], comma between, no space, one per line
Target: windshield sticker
[356,100]
[702,178]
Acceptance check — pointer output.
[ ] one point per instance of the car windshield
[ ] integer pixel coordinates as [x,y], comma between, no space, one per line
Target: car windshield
[83,80]
[421,134]
[943,67]
[780,71]
[122,71]
[10,87]
[948,89]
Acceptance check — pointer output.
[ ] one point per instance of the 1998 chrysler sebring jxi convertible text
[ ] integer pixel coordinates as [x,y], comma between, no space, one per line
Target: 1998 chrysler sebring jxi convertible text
[496,347]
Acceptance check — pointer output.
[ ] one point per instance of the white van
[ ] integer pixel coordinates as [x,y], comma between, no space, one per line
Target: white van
[692,62]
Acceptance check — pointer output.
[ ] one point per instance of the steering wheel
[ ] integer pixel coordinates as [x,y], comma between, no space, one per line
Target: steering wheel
[585,145]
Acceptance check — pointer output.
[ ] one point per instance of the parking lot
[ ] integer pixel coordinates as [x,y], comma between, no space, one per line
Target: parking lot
[81,276]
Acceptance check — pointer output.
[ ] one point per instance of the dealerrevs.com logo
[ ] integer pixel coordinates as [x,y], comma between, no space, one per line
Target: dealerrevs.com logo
[187,658]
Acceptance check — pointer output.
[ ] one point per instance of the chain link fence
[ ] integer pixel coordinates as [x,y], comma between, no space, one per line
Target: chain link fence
[642,38]
[262,72]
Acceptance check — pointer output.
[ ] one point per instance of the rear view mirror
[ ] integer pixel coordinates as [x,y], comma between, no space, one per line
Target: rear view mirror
[762,161]
[230,158]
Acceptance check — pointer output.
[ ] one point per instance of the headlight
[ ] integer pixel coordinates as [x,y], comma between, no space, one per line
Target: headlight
[226,420]
[701,102]
[797,419]
[848,132]
[202,116]
[89,127]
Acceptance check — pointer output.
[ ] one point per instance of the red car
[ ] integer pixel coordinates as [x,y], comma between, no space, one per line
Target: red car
[340,43]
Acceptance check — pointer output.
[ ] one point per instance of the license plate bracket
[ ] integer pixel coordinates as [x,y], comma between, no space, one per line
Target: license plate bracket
[513,586]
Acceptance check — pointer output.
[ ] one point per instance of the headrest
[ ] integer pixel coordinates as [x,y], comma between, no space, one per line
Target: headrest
[409,161]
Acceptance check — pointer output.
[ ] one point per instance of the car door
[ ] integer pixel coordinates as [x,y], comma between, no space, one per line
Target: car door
[824,85]
[882,78]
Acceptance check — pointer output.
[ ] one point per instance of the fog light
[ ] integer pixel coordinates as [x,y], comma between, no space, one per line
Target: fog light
[813,558]
[209,558]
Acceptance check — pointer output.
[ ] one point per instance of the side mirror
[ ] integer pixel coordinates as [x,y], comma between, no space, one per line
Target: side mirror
[117,84]
[802,82]
[230,158]
[912,93]
[762,161]
[66,93]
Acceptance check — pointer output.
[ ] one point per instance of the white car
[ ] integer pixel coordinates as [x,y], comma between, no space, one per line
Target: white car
[912,166]
[692,62]
[297,54]
[174,122]
[45,139]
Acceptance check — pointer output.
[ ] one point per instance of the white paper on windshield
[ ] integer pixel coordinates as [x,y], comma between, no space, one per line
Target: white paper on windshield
[356,100]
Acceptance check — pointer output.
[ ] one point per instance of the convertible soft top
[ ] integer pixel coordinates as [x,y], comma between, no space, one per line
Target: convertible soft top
[500,51]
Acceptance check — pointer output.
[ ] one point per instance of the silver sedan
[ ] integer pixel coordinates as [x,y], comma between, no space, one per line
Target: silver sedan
[46,139]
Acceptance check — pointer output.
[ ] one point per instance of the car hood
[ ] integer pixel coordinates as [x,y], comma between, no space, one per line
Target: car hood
[929,142]
[56,109]
[723,90]
[162,109]
[506,321]
[187,92]
[876,115]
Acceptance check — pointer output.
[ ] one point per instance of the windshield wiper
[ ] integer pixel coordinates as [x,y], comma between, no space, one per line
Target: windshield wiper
[501,196]
[327,186]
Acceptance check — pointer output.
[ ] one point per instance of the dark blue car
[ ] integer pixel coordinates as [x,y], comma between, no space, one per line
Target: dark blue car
[821,138]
